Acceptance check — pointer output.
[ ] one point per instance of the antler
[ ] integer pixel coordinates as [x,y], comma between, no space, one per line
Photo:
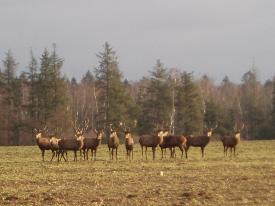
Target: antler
[75,128]
[45,129]
[241,128]
[216,126]
[86,125]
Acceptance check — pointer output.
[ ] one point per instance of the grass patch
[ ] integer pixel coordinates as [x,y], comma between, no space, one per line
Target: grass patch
[247,179]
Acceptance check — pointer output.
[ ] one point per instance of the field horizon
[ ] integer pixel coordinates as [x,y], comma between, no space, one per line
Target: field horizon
[247,179]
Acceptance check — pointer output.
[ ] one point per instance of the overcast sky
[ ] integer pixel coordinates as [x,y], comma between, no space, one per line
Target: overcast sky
[213,37]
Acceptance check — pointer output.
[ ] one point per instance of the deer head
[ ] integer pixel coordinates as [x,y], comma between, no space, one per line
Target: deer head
[99,134]
[208,130]
[113,134]
[80,129]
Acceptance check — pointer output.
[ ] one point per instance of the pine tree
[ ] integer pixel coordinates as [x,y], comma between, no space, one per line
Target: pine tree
[12,99]
[33,78]
[113,101]
[273,105]
[53,105]
[189,116]
[156,107]
[253,115]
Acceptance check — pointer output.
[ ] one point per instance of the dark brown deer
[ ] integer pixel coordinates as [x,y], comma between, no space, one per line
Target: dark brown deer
[70,144]
[152,141]
[232,141]
[200,141]
[73,143]
[172,141]
[92,144]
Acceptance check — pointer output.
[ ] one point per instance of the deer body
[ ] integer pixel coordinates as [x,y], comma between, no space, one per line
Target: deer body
[199,141]
[151,141]
[43,143]
[113,143]
[172,141]
[70,144]
[129,145]
[231,142]
[92,144]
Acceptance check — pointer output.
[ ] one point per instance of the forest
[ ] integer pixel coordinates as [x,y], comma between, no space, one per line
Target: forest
[167,98]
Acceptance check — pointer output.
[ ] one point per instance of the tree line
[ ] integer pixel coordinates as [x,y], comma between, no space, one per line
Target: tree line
[166,98]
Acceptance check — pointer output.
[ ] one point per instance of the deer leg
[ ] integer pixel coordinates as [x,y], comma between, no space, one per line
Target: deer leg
[145,152]
[234,148]
[58,155]
[181,149]
[62,155]
[53,154]
[132,154]
[186,151]
[80,154]
[43,154]
[112,153]
[153,149]
[202,152]
[86,154]
[116,154]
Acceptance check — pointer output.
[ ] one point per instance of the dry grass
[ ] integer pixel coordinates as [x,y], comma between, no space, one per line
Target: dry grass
[248,179]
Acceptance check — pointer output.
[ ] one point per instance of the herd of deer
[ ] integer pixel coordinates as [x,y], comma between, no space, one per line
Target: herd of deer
[60,146]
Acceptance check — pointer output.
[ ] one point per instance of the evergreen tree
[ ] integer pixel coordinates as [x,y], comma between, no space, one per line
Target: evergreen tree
[52,93]
[113,101]
[189,115]
[12,99]
[156,107]
[273,105]
[33,96]
[253,115]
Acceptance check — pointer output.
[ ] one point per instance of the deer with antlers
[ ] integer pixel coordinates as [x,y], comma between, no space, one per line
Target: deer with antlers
[200,141]
[46,142]
[232,141]
[74,144]
[92,143]
[43,142]
[113,142]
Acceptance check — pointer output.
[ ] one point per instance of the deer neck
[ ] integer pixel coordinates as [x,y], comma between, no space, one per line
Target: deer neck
[38,136]
[238,136]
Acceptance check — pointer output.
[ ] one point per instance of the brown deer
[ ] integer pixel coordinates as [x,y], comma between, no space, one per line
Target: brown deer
[73,143]
[232,141]
[129,145]
[152,141]
[42,142]
[92,144]
[113,143]
[172,141]
[200,141]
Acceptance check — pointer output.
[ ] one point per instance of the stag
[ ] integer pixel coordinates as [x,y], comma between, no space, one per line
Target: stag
[200,141]
[76,143]
[113,143]
[232,141]
[152,141]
